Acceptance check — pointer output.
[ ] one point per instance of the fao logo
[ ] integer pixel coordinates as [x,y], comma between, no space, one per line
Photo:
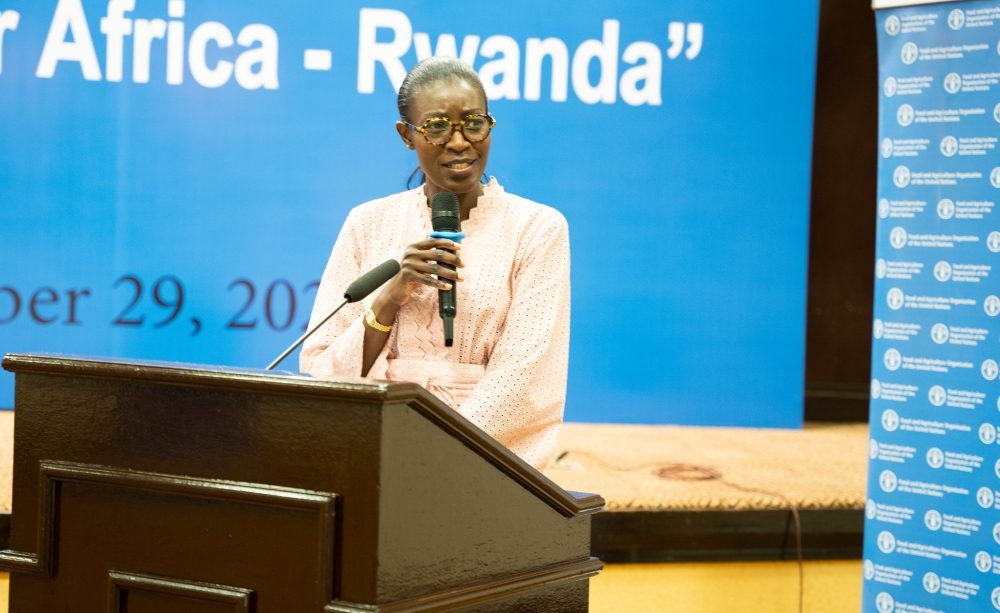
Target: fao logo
[952,82]
[872,448]
[894,298]
[884,602]
[937,396]
[995,177]
[871,510]
[905,115]
[985,497]
[935,459]
[987,433]
[909,53]
[886,542]
[889,87]
[996,468]
[945,208]
[893,360]
[932,583]
[892,25]
[984,562]
[995,598]
[887,481]
[996,533]
[897,238]
[876,389]
[939,334]
[890,420]
[989,369]
[883,208]
[901,176]
[992,307]
[949,146]
[996,113]
[886,147]
[942,271]
[878,328]
[880,268]
[956,19]
[869,570]
[993,241]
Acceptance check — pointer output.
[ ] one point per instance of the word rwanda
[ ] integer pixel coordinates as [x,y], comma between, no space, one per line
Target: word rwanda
[501,76]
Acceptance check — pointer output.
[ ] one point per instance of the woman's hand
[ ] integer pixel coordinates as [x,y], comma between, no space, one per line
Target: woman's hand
[421,262]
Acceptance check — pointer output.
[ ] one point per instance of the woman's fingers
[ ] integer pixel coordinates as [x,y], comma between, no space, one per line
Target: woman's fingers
[436,243]
[423,261]
[434,268]
[417,276]
[443,256]
[435,254]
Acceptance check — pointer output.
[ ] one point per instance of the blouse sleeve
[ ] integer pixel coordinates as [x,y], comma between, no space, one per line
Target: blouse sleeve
[337,348]
[520,399]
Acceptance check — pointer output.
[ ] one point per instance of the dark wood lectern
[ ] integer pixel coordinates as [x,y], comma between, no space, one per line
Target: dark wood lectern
[146,487]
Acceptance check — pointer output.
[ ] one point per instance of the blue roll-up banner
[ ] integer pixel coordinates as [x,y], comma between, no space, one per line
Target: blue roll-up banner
[173,176]
[932,531]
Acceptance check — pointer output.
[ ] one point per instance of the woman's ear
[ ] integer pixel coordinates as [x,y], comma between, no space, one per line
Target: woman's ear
[404,133]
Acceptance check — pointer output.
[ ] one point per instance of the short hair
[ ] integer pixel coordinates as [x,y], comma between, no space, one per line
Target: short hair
[433,70]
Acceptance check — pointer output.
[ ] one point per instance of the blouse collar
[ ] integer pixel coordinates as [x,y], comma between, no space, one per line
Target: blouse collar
[492,192]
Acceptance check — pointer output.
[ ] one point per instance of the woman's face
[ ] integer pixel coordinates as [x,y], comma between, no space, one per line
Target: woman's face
[458,165]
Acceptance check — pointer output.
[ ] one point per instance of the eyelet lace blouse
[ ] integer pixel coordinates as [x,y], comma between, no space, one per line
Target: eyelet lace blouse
[506,371]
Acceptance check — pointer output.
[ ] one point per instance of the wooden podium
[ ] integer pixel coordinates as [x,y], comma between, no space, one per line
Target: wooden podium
[146,487]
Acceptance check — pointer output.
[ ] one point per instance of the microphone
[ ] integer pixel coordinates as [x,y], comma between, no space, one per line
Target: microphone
[362,286]
[447,222]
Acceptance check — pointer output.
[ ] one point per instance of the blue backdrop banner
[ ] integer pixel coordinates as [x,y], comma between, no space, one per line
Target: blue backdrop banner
[173,175]
[932,534]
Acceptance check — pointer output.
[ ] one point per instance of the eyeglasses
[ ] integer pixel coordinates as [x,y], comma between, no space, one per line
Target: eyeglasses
[438,130]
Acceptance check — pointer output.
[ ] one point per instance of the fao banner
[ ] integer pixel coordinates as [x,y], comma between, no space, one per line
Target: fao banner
[932,532]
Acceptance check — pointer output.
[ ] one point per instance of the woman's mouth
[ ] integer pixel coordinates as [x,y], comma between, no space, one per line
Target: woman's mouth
[460,166]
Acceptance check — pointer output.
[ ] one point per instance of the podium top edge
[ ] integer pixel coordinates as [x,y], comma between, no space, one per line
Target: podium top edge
[895,4]
[199,374]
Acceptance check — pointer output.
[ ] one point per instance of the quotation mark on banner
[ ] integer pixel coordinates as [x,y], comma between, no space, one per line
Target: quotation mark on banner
[8,21]
[695,34]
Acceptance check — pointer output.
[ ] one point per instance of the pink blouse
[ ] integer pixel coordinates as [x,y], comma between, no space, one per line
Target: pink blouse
[506,371]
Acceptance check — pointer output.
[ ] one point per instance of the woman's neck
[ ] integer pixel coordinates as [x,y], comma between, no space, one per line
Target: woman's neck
[466,201]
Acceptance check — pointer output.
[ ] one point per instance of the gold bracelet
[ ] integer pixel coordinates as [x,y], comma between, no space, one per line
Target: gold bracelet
[373,323]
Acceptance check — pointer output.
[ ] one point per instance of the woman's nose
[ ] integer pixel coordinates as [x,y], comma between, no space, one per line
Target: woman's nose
[457,141]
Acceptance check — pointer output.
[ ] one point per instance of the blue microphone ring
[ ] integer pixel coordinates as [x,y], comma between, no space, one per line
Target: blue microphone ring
[452,236]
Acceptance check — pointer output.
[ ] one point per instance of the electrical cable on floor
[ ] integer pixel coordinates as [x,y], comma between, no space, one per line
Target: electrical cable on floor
[679,471]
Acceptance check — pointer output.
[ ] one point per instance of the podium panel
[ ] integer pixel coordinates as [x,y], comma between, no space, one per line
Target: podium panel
[144,487]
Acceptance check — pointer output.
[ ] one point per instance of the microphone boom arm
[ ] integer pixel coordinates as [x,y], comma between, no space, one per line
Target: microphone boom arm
[359,289]
[303,338]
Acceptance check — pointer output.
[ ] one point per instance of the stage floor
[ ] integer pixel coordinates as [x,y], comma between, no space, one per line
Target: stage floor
[822,466]
[686,494]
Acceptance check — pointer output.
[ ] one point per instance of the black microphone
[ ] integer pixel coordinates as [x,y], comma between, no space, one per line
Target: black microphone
[362,286]
[446,218]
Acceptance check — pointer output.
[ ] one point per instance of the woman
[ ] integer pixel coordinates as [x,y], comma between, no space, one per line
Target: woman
[506,371]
